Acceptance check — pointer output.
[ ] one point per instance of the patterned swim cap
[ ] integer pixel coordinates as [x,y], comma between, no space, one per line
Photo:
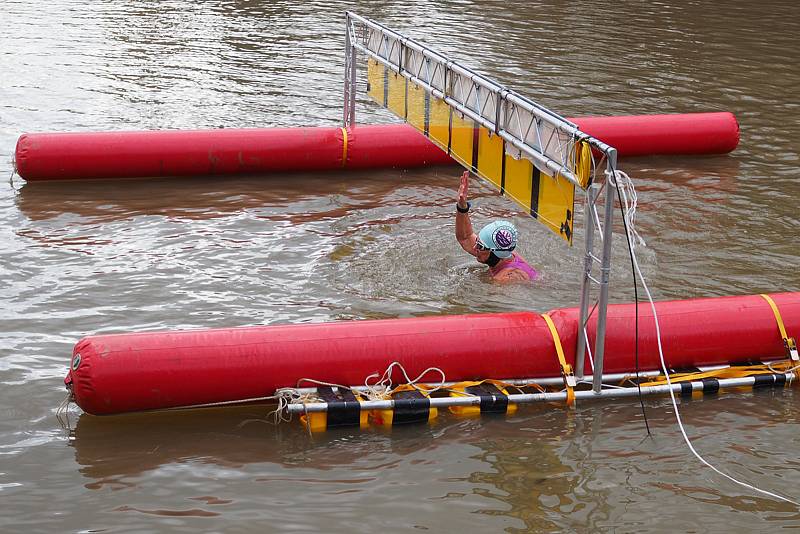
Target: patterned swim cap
[500,237]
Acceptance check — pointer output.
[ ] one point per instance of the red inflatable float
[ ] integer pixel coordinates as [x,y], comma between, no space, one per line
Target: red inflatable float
[92,155]
[142,371]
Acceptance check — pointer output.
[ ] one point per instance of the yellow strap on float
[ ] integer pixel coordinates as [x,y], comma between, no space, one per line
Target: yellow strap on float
[566,369]
[788,342]
[726,372]
[344,147]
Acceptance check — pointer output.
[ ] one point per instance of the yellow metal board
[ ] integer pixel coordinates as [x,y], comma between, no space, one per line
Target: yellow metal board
[376,75]
[396,94]
[550,200]
[462,139]
[518,182]
[490,157]
[417,97]
[439,123]
[556,207]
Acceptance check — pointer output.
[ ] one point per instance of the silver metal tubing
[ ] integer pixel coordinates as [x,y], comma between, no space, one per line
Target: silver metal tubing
[612,378]
[561,396]
[591,196]
[605,269]
[496,93]
[349,108]
[555,168]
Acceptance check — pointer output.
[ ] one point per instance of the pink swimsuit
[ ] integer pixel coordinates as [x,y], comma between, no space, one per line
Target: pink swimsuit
[517,263]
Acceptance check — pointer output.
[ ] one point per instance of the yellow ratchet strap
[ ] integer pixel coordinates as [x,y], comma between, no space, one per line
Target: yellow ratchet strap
[788,342]
[344,147]
[726,372]
[566,369]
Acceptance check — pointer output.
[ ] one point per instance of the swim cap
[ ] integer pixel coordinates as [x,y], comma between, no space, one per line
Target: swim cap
[500,237]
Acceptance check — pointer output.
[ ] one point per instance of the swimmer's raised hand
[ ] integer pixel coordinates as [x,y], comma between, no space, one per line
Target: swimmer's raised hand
[463,190]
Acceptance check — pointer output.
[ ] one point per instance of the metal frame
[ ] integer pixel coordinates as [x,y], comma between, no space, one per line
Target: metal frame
[534,132]
[562,396]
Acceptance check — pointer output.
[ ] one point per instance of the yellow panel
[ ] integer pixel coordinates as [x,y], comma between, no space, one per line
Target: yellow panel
[556,208]
[375,76]
[490,156]
[461,139]
[439,129]
[519,174]
[416,106]
[396,101]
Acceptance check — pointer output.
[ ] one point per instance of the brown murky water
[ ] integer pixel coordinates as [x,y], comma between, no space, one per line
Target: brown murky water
[82,258]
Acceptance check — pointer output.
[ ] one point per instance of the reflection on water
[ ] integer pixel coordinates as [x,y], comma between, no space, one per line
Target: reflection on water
[546,468]
[82,258]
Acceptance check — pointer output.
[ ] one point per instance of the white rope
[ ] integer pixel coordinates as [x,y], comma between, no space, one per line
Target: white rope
[776,371]
[630,200]
[588,349]
[664,365]
[383,387]
[62,412]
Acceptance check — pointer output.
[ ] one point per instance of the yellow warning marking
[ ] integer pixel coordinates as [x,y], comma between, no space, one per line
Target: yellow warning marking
[375,77]
[396,95]
[461,139]
[344,147]
[490,157]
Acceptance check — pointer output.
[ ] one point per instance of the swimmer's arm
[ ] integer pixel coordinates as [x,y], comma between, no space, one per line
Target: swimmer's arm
[464,233]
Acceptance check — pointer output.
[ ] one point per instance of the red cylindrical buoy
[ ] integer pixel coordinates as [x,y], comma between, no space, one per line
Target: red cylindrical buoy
[132,372]
[92,155]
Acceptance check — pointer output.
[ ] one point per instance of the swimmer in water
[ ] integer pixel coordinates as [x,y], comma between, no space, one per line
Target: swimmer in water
[494,245]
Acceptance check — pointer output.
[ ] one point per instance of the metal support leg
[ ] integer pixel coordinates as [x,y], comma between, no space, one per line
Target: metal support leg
[605,269]
[591,197]
[349,108]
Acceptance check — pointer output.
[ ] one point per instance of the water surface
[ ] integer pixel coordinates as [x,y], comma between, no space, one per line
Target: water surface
[82,258]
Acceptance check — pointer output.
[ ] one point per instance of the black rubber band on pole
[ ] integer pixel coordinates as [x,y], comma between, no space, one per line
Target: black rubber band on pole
[343,408]
[762,381]
[710,386]
[492,399]
[686,389]
[410,407]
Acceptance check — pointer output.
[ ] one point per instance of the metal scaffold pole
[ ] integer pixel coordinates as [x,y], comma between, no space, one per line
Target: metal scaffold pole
[349,110]
[588,261]
[605,271]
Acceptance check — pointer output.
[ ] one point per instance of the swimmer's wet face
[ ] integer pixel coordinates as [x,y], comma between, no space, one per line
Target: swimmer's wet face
[482,252]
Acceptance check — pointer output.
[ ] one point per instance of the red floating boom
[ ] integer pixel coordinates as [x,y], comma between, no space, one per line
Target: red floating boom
[693,133]
[132,372]
[92,155]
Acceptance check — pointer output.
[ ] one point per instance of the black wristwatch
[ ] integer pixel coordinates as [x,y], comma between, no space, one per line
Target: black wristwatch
[463,210]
